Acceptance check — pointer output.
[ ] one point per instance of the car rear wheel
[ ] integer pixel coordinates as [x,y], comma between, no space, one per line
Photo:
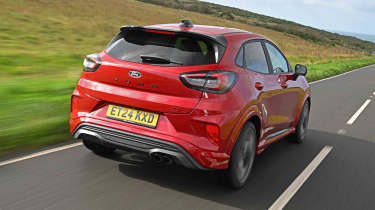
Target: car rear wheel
[242,158]
[97,148]
[302,125]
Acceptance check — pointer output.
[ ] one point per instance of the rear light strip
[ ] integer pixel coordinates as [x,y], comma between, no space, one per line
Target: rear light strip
[161,32]
[209,81]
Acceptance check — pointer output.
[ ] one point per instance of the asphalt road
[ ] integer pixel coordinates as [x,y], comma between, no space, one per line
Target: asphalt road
[78,179]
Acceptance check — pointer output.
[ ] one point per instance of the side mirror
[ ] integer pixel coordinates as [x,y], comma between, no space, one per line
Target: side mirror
[300,70]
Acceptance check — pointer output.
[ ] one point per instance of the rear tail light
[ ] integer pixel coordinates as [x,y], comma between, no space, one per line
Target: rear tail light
[91,63]
[209,81]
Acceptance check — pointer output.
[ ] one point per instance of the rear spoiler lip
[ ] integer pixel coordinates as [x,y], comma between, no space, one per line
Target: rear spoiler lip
[220,39]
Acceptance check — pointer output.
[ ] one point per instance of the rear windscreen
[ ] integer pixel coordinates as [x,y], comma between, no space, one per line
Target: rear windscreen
[167,49]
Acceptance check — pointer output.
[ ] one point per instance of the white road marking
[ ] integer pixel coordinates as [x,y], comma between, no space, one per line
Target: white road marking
[298,182]
[359,111]
[373,93]
[341,132]
[3,163]
[339,75]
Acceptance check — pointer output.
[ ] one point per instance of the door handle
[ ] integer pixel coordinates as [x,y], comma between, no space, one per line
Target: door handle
[284,85]
[259,85]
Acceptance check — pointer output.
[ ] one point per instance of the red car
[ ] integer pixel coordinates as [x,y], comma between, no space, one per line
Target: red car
[205,97]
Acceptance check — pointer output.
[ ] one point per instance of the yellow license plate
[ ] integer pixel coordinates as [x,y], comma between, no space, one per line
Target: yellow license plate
[134,116]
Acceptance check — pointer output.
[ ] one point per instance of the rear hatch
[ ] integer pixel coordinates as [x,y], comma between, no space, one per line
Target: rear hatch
[141,68]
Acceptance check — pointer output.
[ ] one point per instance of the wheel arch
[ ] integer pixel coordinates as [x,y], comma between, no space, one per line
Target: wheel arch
[306,99]
[257,123]
[252,116]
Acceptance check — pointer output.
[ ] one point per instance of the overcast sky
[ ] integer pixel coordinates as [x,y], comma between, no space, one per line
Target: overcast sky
[356,16]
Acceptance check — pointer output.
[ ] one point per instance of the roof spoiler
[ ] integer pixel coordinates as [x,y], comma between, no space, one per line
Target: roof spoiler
[220,39]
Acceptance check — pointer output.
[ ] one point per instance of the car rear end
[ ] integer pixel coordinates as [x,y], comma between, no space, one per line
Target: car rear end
[143,91]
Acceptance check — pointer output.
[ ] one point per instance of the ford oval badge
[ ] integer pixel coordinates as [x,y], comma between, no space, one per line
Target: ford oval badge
[135,74]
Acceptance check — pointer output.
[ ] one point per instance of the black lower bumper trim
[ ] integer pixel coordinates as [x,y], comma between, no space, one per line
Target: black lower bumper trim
[127,140]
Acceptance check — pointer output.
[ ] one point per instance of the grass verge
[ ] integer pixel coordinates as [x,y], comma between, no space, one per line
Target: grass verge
[323,70]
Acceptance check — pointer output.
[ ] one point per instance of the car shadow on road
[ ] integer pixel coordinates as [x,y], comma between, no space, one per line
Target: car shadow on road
[273,172]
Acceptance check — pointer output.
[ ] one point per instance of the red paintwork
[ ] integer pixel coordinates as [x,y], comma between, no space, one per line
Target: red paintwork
[184,112]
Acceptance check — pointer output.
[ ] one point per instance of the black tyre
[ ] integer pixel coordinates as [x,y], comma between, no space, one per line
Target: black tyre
[302,125]
[97,148]
[242,158]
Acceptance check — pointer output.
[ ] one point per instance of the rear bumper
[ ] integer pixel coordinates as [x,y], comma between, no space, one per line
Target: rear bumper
[126,140]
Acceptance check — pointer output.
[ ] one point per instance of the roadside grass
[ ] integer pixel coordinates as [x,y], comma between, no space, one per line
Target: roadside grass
[34,112]
[42,44]
[323,70]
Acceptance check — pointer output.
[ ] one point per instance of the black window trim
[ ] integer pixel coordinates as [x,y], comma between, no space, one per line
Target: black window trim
[269,58]
[244,60]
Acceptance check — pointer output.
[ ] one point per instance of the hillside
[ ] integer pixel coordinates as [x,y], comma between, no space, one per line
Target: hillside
[43,42]
[254,19]
[56,27]
[367,37]
[46,26]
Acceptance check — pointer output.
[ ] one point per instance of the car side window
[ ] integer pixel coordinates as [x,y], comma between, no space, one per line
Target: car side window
[278,61]
[255,59]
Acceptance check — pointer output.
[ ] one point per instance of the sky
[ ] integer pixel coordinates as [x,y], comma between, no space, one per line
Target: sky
[356,16]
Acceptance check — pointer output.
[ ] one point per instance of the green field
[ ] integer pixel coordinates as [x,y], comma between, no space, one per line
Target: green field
[43,42]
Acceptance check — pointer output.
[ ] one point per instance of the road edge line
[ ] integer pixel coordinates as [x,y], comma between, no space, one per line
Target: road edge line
[14,160]
[284,198]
